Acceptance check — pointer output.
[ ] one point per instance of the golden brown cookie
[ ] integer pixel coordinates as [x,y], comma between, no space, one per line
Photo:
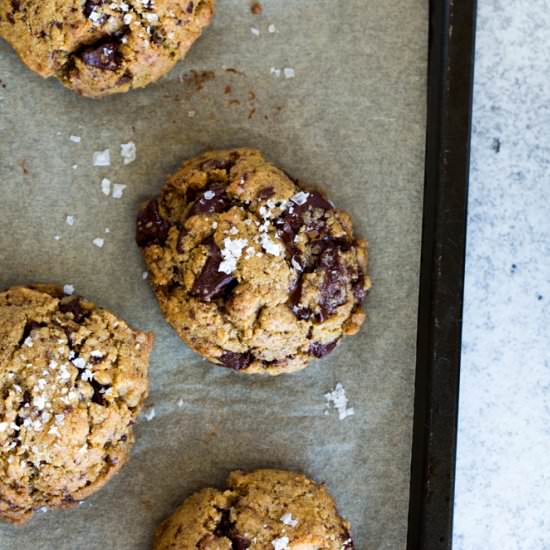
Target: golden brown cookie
[73,378]
[263,510]
[101,47]
[251,270]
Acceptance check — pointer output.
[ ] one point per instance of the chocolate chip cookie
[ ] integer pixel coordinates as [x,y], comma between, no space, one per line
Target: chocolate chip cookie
[73,378]
[253,272]
[100,47]
[265,509]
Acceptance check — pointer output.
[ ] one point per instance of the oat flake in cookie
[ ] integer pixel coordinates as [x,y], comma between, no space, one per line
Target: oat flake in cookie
[252,271]
[263,510]
[100,47]
[73,378]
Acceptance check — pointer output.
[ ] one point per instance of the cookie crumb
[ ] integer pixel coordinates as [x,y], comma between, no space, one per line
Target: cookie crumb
[99,242]
[337,398]
[102,158]
[128,152]
[256,8]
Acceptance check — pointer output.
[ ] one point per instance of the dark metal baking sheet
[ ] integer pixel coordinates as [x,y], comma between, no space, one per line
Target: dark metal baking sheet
[451,61]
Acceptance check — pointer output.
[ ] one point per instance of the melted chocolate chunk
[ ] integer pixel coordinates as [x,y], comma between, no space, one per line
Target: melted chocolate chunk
[236,361]
[239,543]
[302,313]
[29,327]
[320,350]
[292,219]
[91,5]
[73,306]
[224,526]
[104,56]
[213,199]
[358,287]
[151,227]
[333,288]
[189,8]
[265,193]
[211,282]
[217,164]
[99,390]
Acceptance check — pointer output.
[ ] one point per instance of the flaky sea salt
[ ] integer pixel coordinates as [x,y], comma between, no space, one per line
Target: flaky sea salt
[79,363]
[275,72]
[180,403]
[270,246]
[128,18]
[287,519]
[75,139]
[289,72]
[99,242]
[69,220]
[102,158]
[339,401]
[151,17]
[280,543]
[128,152]
[118,190]
[144,275]
[300,198]
[255,31]
[271,28]
[68,289]
[231,253]
[150,414]
[209,195]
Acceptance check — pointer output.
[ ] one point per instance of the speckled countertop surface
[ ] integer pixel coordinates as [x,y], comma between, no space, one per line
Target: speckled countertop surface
[502,497]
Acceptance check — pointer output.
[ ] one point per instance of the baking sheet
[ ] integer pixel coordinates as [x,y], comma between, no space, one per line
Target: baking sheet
[351,121]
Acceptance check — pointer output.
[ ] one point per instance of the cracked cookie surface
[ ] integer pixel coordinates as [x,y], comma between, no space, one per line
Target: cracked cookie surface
[100,47]
[73,378]
[264,510]
[252,271]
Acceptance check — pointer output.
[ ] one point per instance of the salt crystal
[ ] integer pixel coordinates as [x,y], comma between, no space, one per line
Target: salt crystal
[144,275]
[128,18]
[102,158]
[99,242]
[57,237]
[209,195]
[150,414]
[128,152]
[180,403]
[300,198]
[231,253]
[151,17]
[28,342]
[271,28]
[118,190]
[287,519]
[68,289]
[39,402]
[79,363]
[280,543]
[289,72]
[3,426]
[339,401]
[255,31]
[276,72]
[69,220]
[270,246]
[75,139]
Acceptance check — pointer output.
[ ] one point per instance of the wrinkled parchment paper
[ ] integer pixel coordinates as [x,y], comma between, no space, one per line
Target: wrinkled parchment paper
[352,121]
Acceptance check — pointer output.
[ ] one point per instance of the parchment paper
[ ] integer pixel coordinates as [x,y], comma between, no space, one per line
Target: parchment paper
[351,121]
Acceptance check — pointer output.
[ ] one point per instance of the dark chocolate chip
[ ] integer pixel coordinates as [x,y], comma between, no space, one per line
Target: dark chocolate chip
[358,287]
[224,526]
[189,8]
[73,306]
[239,543]
[104,56]
[302,313]
[15,5]
[217,164]
[211,282]
[320,350]
[29,327]
[333,288]
[99,390]
[213,199]
[265,193]
[91,5]
[236,361]
[292,219]
[151,227]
